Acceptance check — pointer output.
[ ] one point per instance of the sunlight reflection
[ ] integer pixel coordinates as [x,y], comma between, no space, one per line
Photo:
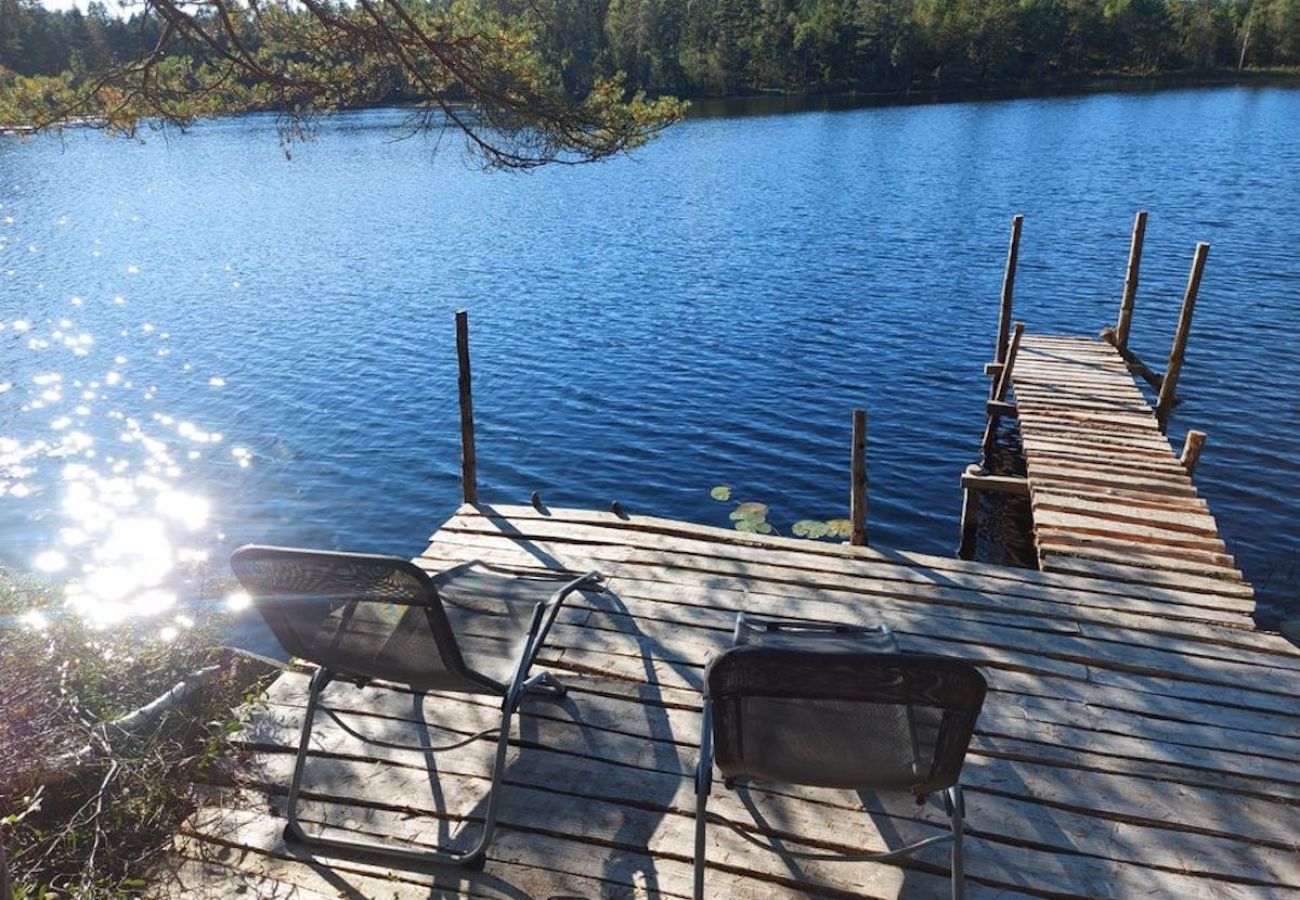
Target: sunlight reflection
[121,530]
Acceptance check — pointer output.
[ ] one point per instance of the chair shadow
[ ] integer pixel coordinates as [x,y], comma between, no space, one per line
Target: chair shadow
[636,865]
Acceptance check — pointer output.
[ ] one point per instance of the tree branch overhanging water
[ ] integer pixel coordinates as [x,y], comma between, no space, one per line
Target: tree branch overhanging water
[467,68]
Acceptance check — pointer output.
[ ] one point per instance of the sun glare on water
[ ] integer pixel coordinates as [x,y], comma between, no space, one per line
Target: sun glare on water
[99,471]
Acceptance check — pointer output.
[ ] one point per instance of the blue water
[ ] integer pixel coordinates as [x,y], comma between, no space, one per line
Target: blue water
[708,311]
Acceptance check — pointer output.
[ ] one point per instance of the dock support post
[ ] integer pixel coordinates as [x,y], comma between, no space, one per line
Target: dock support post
[1125,321]
[858,489]
[969,516]
[1169,383]
[1000,388]
[1192,451]
[468,458]
[1008,290]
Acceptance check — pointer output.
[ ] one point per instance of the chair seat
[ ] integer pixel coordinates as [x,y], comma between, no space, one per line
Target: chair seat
[489,613]
[820,636]
[475,628]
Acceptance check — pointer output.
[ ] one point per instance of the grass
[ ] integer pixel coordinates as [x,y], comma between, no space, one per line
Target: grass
[86,810]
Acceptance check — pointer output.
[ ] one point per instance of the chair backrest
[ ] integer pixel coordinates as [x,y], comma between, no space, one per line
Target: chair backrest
[356,614]
[805,634]
[842,719]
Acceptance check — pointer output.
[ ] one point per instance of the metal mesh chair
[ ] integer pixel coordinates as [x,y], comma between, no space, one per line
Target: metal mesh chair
[360,617]
[837,706]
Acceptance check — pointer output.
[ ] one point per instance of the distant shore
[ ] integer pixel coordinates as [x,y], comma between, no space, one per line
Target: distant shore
[773,102]
[841,97]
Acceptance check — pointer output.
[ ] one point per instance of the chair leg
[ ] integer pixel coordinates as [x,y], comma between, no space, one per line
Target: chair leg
[474,858]
[701,804]
[703,784]
[957,814]
[293,830]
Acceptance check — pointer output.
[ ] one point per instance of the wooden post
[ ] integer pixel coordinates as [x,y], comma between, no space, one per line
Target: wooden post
[1000,389]
[1169,383]
[1004,377]
[1192,451]
[969,517]
[468,458]
[1008,288]
[858,489]
[1125,321]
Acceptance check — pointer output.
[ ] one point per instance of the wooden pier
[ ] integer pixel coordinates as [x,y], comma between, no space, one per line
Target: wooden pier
[1141,738]
[1138,739]
[1109,498]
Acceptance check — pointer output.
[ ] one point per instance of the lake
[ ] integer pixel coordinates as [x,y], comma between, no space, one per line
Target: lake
[207,343]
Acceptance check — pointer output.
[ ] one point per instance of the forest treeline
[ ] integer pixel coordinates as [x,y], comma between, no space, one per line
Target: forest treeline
[693,48]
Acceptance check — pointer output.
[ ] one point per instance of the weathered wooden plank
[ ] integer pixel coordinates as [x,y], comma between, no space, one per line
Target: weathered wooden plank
[1121,500]
[838,561]
[782,584]
[1170,561]
[1135,531]
[1130,745]
[1183,521]
[583,810]
[1121,459]
[939,602]
[545,765]
[1121,569]
[520,864]
[1096,472]
[1088,437]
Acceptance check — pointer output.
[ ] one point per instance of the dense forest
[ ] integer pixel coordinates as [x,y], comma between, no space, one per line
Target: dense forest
[694,48]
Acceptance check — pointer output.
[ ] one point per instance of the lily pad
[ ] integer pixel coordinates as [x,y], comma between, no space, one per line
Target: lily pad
[753,510]
[753,526]
[721,493]
[809,528]
[839,528]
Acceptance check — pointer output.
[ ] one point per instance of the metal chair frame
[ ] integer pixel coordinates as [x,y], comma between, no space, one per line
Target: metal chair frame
[954,801]
[522,683]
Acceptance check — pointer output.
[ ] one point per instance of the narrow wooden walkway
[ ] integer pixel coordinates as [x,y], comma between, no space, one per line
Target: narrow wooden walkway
[1139,739]
[1109,498]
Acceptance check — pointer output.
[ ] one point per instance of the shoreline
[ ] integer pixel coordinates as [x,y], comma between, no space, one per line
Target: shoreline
[835,98]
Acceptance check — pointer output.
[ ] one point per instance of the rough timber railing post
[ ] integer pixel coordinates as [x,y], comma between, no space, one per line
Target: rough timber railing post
[858,489]
[468,458]
[1192,451]
[1169,383]
[1125,321]
[1008,289]
[1000,388]
[969,518]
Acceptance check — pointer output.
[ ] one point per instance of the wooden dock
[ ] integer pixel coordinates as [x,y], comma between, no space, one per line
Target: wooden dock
[1109,498]
[1140,738]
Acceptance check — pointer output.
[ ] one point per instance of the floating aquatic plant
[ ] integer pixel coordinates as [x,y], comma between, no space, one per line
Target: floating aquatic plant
[809,528]
[750,516]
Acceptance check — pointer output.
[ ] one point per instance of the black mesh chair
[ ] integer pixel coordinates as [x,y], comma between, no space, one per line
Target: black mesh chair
[836,706]
[471,630]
